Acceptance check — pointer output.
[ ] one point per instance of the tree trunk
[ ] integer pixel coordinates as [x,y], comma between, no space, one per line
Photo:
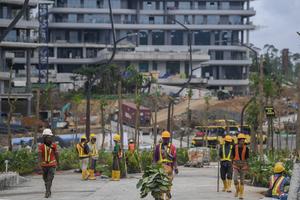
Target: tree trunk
[155,121]
[102,126]
[88,109]
[261,107]
[189,119]
[298,118]
[37,115]
[120,117]
[10,111]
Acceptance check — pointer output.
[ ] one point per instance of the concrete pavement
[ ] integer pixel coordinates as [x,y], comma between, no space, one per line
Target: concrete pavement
[190,184]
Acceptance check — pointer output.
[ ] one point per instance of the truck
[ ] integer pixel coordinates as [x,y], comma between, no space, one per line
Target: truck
[129,115]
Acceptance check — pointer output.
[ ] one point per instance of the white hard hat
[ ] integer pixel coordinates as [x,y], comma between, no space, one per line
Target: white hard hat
[48,132]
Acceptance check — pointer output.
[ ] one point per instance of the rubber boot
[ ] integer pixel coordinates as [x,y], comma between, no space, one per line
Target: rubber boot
[117,175]
[241,193]
[85,175]
[229,185]
[92,174]
[224,186]
[237,189]
[48,192]
[113,175]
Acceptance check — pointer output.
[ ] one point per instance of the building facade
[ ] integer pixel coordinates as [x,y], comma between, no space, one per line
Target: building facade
[80,34]
[17,43]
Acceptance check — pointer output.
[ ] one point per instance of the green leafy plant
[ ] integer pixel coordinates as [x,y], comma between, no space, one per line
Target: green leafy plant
[154,181]
[133,162]
[182,156]
[146,158]
[68,159]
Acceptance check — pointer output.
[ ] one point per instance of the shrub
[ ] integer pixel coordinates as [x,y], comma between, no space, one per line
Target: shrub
[68,159]
[182,156]
[261,170]
[22,161]
[214,157]
[133,162]
[146,159]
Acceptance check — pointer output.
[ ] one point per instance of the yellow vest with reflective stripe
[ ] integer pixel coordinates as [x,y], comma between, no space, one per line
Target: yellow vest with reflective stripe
[81,152]
[224,157]
[276,190]
[161,159]
[94,151]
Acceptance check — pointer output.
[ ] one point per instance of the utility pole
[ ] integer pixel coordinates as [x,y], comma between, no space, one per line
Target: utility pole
[261,106]
[298,118]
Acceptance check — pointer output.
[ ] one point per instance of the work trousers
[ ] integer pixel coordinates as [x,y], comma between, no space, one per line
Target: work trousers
[48,176]
[84,162]
[93,163]
[116,163]
[226,170]
[239,171]
[169,171]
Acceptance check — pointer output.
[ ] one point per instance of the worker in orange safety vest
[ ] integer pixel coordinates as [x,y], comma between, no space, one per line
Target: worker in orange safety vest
[240,165]
[48,159]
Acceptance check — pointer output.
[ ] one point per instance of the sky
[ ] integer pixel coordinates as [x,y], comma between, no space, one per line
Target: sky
[277,21]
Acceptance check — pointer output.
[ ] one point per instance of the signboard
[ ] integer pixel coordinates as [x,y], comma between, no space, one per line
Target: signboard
[270,112]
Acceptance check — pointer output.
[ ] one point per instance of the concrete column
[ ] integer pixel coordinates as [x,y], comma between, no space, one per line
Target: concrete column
[150,37]
[29,106]
[0,109]
[168,38]
[221,73]
[28,70]
[2,60]
[185,38]
[55,52]
[214,72]
[84,52]
[248,4]
[182,67]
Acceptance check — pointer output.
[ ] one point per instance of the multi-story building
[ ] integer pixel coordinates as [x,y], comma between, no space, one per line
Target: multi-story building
[80,34]
[17,43]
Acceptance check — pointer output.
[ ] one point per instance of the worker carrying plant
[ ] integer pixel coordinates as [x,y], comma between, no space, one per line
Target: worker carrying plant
[83,154]
[93,156]
[165,154]
[117,155]
[48,159]
[225,154]
[240,165]
[279,182]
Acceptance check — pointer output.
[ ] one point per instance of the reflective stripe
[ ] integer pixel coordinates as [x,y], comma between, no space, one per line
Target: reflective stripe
[47,155]
[81,152]
[161,160]
[94,150]
[237,155]
[276,190]
[228,157]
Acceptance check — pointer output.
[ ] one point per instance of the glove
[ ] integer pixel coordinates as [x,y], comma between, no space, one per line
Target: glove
[176,171]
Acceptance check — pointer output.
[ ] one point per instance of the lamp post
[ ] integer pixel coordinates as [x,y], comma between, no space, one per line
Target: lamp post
[171,102]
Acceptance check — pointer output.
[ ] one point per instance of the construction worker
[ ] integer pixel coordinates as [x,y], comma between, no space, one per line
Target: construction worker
[48,159]
[83,153]
[93,156]
[278,182]
[131,146]
[165,154]
[240,165]
[117,155]
[225,154]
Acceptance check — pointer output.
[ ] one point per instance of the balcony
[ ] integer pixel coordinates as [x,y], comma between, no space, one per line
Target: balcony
[22,24]
[227,82]
[4,76]
[249,26]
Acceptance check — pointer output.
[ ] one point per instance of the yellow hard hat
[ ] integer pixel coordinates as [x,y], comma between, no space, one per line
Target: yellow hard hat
[228,138]
[279,168]
[117,138]
[83,137]
[93,135]
[166,134]
[241,136]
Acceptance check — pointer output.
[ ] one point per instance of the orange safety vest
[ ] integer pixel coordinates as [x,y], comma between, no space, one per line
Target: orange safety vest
[237,155]
[161,159]
[48,155]
[276,189]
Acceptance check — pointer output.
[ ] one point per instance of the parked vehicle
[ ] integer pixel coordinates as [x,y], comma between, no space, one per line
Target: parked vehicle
[129,115]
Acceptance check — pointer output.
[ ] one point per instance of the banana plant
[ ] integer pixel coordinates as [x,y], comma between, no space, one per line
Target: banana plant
[154,181]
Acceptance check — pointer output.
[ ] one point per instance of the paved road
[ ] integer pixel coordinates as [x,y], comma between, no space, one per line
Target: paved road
[190,184]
